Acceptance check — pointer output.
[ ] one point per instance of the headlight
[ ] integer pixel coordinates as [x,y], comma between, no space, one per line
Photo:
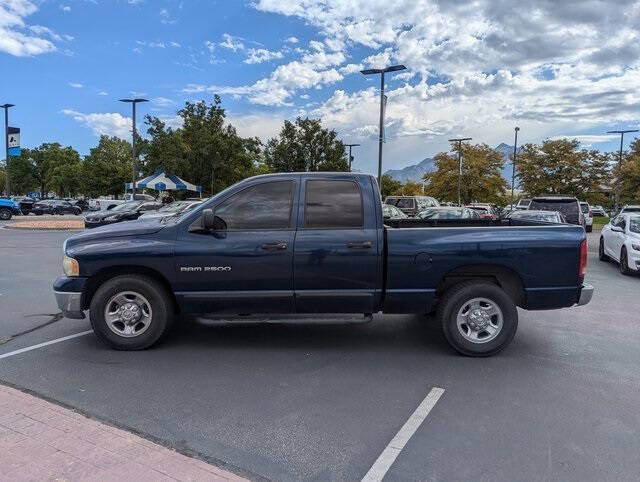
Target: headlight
[70,266]
[113,217]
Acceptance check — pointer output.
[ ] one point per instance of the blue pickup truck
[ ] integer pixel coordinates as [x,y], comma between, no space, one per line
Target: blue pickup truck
[8,208]
[316,243]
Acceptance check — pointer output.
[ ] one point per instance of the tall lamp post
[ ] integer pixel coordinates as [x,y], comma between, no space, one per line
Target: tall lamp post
[133,103]
[460,141]
[392,68]
[6,141]
[618,184]
[513,164]
[350,156]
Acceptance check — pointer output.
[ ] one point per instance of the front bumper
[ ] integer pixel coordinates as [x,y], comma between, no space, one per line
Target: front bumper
[68,292]
[586,293]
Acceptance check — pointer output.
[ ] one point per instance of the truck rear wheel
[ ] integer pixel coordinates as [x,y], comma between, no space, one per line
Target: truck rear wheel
[478,318]
[131,312]
[5,214]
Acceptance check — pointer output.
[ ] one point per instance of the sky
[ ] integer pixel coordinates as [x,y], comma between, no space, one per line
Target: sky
[474,68]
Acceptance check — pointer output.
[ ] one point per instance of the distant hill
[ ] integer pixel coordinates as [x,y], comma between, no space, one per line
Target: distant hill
[416,171]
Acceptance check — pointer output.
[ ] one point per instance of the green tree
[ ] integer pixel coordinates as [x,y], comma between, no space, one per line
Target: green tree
[629,175]
[481,175]
[304,145]
[561,167]
[21,173]
[390,186]
[204,150]
[107,167]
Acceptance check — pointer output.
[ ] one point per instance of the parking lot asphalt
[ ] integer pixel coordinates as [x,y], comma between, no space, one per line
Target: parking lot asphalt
[322,402]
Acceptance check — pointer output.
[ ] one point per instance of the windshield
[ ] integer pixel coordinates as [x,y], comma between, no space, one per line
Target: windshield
[631,209]
[634,224]
[126,206]
[568,207]
[584,207]
[174,207]
[536,216]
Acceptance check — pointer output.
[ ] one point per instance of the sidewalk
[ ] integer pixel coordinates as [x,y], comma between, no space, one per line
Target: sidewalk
[43,441]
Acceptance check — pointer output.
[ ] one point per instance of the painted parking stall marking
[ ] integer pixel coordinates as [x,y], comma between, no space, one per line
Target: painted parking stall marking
[384,462]
[46,343]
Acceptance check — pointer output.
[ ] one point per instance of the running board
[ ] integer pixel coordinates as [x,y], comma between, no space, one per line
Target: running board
[301,318]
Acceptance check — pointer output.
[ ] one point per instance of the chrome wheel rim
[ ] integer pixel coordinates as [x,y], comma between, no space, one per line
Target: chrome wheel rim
[479,320]
[128,314]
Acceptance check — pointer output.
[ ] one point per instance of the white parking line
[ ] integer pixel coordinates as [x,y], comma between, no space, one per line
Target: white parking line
[46,343]
[382,465]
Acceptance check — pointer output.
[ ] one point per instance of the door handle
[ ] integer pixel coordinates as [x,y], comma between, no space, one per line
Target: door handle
[359,244]
[278,246]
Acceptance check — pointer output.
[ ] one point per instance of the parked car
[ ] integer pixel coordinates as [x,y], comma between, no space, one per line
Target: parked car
[630,208]
[523,204]
[392,212]
[104,204]
[411,205]
[175,208]
[598,211]
[124,212]
[568,206]
[316,243]
[486,211]
[55,206]
[588,216]
[448,213]
[83,204]
[25,204]
[138,197]
[8,208]
[620,241]
[541,216]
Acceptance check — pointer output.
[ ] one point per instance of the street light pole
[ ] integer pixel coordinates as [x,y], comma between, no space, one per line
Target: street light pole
[133,102]
[392,68]
[6,141]
[513,165]
[460,141]
[350,156]
[618,183]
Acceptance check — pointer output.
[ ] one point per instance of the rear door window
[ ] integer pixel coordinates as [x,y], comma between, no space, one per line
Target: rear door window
[405,203]
[567,207]
[333,204]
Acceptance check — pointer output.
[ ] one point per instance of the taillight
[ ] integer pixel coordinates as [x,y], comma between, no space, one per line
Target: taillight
[590,214]
[582,268]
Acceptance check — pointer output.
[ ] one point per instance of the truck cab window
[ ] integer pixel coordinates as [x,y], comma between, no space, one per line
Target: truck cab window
[333,204]
[263,206]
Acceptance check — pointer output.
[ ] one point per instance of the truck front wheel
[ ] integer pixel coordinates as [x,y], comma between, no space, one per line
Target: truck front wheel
[478,318]
[131,312]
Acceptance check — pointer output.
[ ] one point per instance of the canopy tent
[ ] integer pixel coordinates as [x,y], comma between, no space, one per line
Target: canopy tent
[164,181]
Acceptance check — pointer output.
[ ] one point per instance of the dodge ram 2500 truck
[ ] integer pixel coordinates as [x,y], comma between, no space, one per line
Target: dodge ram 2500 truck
[316,243]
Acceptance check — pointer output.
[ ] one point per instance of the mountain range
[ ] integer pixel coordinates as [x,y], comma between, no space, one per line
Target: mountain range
[416,171]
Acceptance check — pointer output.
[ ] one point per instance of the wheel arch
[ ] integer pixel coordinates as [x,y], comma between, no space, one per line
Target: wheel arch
[503,276]
[111,272]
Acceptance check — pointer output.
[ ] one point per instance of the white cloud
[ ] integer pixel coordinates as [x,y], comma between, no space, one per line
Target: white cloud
[291,40]
[65,8]
[174,44]
[163,102]
[590,138]
[257,56]
[76,85]
[110,124]
[152,45]
[232,43]
[14,37]
[103,92]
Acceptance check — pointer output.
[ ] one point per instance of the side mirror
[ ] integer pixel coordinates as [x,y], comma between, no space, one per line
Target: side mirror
[208,223]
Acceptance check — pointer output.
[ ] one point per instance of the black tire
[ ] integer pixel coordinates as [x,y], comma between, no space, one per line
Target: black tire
[24,211]
[589,229]
[55,212]
[624,262]
[5,214]
[158,298]
[454,300]
[601,255]
[77,211]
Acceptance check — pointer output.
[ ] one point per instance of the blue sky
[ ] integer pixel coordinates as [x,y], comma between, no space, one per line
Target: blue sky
[553,68]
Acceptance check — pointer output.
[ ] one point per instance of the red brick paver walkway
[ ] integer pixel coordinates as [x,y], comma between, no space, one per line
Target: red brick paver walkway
[43,441]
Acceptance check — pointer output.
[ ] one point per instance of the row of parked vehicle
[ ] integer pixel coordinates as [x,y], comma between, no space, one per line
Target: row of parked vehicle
[543,209]
[138,209]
